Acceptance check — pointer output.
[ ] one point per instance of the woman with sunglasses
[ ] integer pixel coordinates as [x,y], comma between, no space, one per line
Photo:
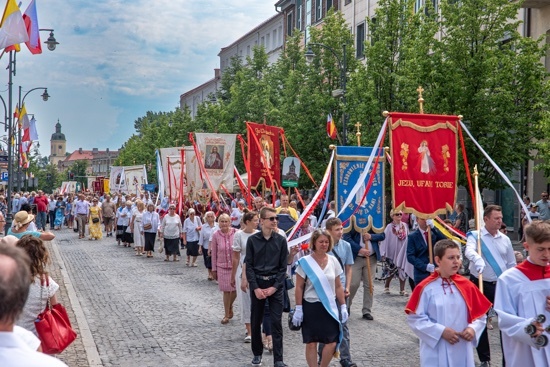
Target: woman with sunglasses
[171,231]
[396,239]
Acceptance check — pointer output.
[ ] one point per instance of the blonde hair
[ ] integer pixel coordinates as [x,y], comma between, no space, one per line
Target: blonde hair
[140,205]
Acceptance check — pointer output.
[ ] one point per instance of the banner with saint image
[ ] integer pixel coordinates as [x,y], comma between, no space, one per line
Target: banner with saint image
[218,159]
[424,163]
[264,155]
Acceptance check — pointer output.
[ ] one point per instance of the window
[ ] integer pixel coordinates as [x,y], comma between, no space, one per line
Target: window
[329,5]
[267,41]
[373,38]
[248,50]
[417,5]
[319,10]
[360,38]
[299,10]
[428,9]
[347,2]
[274,45]
[289,24]
[60,147]
[262,41]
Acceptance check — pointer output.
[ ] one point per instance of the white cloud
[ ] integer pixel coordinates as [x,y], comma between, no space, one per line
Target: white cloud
[119,59]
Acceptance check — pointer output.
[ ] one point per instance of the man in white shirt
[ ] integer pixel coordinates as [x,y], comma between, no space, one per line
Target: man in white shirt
[497,256]
[14,290]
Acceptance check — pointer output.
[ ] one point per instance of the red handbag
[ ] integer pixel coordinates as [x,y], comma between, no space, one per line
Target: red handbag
[54,328]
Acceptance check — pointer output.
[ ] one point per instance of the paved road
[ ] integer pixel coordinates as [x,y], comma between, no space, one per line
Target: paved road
[135,311]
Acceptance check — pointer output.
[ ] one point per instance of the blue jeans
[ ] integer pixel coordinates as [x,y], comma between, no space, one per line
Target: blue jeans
[52,219]
[41,220]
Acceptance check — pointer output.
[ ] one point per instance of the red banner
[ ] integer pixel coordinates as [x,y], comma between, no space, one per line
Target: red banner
[424,163]
[264,155]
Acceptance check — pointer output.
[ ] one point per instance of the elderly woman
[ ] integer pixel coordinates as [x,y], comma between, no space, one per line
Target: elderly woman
[125,217]
[94,221]
[136,226]
[191,229]
[171,230]
[59,213]
[207,230]
[222,252]
[150,227]
[42,288]
[317,288]
[396,238]
[238,275]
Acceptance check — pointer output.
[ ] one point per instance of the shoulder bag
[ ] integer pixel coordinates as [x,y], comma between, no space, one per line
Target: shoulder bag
[53,326]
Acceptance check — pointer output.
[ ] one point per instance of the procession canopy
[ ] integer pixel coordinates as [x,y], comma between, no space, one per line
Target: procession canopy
[424,162]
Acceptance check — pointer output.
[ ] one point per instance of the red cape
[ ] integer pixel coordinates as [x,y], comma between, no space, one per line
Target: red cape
[534,272]
[476,303]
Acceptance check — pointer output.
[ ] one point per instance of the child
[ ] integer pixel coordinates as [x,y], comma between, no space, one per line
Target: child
[523,293]
[447,312]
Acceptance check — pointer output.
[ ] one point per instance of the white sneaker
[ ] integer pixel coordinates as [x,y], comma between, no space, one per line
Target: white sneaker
[248,339]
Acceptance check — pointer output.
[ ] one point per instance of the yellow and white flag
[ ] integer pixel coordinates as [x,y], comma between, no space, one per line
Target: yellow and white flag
[12,27]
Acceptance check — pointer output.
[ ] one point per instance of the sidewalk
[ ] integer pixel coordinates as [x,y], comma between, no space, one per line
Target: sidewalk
[77,354]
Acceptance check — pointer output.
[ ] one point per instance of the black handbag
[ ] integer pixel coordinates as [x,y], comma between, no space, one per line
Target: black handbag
[290,324]
[95,220]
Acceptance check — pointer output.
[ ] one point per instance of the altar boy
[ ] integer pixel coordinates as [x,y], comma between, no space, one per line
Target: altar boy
[523,293]
[447,312]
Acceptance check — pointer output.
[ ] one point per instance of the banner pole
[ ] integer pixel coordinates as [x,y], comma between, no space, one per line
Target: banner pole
[477,211]
[430,247]
[369,273]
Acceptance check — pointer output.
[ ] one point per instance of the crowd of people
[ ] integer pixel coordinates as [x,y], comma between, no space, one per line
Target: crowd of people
[246,252]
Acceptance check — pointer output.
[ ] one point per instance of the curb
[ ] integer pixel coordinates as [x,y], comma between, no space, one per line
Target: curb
[85,334]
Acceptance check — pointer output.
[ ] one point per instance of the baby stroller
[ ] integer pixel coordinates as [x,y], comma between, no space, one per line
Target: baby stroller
[389,269]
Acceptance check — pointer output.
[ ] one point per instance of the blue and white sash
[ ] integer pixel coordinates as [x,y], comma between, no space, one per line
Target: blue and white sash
[494,259]
[322,288]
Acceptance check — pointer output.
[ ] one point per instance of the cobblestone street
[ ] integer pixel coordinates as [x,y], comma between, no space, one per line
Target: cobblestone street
[135,311]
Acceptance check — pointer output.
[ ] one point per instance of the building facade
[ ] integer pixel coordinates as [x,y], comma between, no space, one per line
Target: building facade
[99,161]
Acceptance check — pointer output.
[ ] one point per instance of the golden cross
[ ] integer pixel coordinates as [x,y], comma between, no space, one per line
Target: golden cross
[358,133]
[420,99]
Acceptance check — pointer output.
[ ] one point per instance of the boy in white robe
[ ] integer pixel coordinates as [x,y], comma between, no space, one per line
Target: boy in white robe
[523,293]
[447,312]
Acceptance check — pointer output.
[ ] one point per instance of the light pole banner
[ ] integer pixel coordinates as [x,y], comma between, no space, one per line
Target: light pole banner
[218,159]
[424,163]
[369,213]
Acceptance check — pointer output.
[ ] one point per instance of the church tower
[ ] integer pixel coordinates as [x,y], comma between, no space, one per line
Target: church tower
[58,145]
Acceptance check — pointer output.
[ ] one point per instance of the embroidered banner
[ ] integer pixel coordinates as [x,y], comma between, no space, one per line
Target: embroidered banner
[350,163]
[218,159]
[127,179]
[425,163]
[264,155]
[171,163]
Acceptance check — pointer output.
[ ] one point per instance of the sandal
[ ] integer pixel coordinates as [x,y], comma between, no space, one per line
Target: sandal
[403,293]
[386,291]
[230,314]
[225,320]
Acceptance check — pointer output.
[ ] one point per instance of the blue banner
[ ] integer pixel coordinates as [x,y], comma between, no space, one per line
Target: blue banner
[350,162]
[149,187]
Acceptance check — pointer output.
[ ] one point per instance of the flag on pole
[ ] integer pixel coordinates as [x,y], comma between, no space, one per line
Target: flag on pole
[33,132]
[331,127]
[12,27]
[31,24]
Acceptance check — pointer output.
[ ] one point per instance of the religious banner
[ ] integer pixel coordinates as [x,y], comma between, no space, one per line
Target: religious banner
[425,163]
[197,187]
[291,172]
[264,155]
[127,179]
[218,159]
[369,213]
[172,165]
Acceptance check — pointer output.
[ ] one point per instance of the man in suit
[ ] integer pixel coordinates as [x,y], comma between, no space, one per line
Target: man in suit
[417,249]
[364,247]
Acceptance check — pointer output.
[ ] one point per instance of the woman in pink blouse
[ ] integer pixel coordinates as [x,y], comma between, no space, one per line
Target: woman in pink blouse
[221,251]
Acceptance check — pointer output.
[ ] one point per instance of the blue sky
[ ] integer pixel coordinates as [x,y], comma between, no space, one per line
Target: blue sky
[118,59]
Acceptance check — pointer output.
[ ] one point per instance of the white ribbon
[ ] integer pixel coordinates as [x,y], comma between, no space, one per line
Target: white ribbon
[497,168]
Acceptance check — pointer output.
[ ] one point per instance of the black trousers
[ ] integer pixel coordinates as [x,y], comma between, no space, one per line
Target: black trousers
[483,348]
[257,306]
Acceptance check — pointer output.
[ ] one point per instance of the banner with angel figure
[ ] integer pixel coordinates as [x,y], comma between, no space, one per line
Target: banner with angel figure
[424,163]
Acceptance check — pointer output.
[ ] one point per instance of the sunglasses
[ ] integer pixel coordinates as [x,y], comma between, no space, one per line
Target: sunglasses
[398,214]
[273,219]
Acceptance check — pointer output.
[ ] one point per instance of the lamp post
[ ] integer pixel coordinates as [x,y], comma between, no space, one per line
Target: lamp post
[45,97]
[52,43]
[342,65]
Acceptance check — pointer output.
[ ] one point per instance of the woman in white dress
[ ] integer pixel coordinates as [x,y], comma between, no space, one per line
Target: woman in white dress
[208,228]
[238,274]
[42,288]
[136,226]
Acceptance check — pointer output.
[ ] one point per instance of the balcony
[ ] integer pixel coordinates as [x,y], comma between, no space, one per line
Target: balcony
[535,3]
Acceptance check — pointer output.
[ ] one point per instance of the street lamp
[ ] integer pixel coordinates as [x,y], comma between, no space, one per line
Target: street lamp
[52,44]
[337,93]
[45,96]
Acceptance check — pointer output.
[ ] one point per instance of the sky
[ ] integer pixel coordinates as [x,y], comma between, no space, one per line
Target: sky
[118,59]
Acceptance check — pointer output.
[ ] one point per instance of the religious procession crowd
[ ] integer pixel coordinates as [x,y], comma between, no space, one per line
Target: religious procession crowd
[245,251]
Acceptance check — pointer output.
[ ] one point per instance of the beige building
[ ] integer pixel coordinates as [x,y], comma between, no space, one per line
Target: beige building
[99,161]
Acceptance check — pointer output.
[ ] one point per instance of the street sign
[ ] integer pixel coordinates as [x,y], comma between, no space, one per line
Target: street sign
[4,176]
